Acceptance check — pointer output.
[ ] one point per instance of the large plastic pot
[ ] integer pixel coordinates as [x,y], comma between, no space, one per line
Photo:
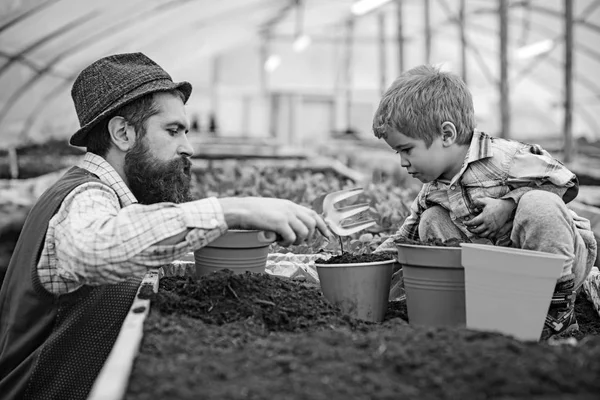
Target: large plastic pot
[509,290]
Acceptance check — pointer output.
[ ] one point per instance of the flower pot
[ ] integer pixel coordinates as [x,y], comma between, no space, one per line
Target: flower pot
[434,283]
[509,290]
[237,250]
[358,289]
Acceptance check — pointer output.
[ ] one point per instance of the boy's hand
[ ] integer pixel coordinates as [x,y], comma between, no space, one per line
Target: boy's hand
[494,219]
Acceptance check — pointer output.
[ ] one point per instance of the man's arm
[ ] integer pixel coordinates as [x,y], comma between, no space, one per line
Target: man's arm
[97,242]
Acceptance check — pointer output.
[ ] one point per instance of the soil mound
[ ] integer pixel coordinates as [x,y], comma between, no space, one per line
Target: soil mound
[223,297]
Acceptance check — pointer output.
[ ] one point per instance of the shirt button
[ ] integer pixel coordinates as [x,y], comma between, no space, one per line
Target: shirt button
[214,223]
[452,187]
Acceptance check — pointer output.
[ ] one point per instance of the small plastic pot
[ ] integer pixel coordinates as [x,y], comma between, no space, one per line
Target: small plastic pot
[359,289]
[237,250]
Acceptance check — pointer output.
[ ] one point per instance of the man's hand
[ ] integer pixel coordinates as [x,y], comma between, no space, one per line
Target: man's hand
[293,223]
[494,219]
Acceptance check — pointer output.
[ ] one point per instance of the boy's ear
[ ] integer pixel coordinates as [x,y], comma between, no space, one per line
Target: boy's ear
[121,133]
[449,133]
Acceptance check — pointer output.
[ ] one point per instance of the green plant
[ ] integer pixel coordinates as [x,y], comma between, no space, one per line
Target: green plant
[389,204]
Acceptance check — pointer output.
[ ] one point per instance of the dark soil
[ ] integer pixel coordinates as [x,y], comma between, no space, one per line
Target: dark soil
[349,258]
[454,242]
[274,303]
[261,337]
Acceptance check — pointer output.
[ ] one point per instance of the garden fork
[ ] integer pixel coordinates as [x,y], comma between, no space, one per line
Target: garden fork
[334,217]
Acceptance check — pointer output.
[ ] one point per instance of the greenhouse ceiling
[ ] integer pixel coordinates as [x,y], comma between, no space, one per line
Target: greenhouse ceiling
[45,43]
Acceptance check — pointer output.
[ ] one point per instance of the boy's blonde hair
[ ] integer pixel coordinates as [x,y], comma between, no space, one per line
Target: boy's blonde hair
[420,100]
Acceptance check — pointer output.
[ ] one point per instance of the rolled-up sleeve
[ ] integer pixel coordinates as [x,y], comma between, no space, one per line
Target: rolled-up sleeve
[97,242]
[534,168]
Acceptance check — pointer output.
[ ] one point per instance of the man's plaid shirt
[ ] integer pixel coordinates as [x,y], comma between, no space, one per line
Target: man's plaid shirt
[100,235]
[496,168]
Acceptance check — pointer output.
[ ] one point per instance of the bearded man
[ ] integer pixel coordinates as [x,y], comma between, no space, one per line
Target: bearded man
[90,238]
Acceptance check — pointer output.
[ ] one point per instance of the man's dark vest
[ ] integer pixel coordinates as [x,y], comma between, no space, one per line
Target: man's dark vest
[53,346]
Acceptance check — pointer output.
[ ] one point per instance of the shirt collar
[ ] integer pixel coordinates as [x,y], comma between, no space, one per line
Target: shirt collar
[480,148]
[107,174]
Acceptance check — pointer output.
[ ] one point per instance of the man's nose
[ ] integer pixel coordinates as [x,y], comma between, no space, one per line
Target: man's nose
[185,148]
[404,162]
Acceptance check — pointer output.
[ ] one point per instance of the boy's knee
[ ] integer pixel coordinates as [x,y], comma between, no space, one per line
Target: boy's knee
[436,223]
[538,201]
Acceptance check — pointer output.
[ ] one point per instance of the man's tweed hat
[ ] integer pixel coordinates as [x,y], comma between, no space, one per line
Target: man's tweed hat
[111,82]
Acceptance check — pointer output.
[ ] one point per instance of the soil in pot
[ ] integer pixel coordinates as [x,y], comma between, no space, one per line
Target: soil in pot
[359,284]
[225,350]
[349,258]
[454,242]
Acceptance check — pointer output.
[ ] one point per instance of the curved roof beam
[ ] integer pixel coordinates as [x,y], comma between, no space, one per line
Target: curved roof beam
[590,8]
[32,11]
[578,48]
[111,30]
[581,20]
[200,24]
[103,34]
[51,96]
[589,120]
[31,65]
[454,19]
[580,78]
[56,33]
[42,103]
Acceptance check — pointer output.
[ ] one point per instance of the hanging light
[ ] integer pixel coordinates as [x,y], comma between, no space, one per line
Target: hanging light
[302,40]
[272,63]
[301,43]
[362,7]
[535,49]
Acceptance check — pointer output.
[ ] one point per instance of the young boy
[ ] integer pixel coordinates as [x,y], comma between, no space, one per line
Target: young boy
[482,189]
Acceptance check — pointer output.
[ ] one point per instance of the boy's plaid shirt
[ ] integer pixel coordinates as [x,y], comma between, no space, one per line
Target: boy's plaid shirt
[493,167]
[100,235]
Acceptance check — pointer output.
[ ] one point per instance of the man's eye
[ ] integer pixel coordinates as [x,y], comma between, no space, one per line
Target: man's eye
[174,131]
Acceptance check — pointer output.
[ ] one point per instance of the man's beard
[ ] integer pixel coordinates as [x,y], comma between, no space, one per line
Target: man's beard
[153,181]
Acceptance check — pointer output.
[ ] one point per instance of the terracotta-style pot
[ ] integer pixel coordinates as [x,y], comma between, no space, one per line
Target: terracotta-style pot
[237,250]
[358,289]
[434,282]
[509,290]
